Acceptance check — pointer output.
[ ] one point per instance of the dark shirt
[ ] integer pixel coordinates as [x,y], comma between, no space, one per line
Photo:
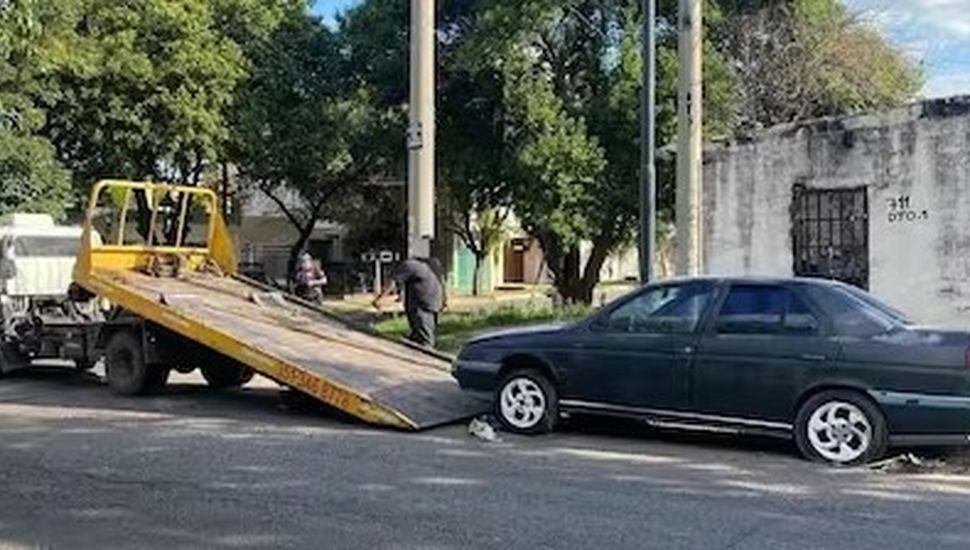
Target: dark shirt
[304,283]
[421,282]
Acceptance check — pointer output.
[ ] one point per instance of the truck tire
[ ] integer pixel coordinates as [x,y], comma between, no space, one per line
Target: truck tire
[222,377]
[11,360]
[127,372]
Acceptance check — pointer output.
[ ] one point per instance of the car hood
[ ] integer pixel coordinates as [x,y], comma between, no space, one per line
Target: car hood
[530,330]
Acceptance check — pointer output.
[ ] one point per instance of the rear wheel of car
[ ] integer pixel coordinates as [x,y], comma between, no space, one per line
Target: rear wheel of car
[526,402]
[842,428]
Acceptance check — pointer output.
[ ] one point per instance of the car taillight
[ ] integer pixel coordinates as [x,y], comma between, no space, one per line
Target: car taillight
[966,358]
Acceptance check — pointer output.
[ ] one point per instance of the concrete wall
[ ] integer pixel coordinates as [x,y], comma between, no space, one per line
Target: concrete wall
[919,256]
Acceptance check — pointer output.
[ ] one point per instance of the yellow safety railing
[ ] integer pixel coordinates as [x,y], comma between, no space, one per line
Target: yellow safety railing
[115,253]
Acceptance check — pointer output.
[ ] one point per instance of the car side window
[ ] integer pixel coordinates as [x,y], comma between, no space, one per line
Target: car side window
[675,309]
[765,309]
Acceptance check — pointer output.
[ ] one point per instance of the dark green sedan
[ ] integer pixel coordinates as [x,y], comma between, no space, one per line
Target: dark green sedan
[821,361]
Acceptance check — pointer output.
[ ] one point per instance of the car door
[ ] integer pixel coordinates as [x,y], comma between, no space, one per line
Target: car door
[765,344]
[637,354]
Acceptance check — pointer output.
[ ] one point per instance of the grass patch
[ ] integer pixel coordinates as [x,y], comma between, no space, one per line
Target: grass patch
[454,328]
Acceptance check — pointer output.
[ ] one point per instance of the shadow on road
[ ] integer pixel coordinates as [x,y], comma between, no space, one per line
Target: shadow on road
[621,428]
[262,400]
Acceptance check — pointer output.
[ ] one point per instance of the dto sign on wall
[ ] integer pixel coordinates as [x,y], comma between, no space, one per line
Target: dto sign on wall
[901,210]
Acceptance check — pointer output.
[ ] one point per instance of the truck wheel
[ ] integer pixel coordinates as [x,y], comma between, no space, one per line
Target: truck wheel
[222,377]
[128,374]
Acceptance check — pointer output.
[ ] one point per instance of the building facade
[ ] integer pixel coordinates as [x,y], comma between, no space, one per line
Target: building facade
[880,201]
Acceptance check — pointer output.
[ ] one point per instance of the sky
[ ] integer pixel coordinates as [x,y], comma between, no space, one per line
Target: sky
[934,32]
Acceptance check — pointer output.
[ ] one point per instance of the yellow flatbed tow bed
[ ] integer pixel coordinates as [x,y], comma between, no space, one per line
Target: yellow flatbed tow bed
[183,281]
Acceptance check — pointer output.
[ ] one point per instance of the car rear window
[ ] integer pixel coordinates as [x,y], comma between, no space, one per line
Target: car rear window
[850,315]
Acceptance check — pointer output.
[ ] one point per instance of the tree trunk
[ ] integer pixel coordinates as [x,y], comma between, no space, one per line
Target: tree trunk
[568,282]
[574,282]
[594,265]
[477,275]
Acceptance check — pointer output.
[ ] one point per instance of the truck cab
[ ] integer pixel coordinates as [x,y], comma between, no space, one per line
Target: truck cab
[40,316]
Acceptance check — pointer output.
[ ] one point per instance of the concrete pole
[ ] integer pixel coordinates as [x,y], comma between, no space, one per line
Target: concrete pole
[690,216]
[421,133]
[648,146]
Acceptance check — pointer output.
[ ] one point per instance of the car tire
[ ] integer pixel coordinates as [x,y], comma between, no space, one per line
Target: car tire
[126,369]
[220,377]
[841,428]
[526,402]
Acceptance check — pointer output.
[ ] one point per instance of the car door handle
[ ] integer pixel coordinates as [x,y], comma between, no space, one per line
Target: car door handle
[814,357]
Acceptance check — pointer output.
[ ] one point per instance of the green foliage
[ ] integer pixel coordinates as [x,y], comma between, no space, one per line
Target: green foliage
[538,102]
[143,89]
[31,179]
[802,59]
[305,133]
[570,74]
[455,328]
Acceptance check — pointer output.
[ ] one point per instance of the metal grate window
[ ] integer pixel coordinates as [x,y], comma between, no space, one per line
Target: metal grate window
[830,234]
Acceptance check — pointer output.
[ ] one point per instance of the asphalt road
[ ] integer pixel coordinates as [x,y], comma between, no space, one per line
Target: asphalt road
[81,468]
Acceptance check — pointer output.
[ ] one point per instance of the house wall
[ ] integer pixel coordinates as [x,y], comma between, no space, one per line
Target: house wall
[914,164]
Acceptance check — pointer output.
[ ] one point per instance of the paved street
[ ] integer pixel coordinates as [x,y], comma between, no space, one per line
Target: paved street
[82,468]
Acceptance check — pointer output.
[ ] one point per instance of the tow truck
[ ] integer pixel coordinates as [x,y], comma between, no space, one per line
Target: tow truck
[163,258]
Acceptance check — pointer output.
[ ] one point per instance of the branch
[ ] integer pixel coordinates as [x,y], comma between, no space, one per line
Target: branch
[268,190]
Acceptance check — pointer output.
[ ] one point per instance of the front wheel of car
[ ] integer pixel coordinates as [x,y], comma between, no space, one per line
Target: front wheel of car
[842,428]
[526,402]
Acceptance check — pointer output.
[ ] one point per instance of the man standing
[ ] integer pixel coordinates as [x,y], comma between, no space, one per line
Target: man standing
[422,283]
[309,280]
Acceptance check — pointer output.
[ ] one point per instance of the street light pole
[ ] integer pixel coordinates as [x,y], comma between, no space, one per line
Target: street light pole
[421,132]
[689,139]
[648,147]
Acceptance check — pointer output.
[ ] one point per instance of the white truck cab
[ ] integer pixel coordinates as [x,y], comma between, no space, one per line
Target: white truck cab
[37,259]
[36,256]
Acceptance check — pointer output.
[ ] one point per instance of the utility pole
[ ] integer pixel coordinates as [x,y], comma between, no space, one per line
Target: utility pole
[421,133]
[648,146]
[689,139]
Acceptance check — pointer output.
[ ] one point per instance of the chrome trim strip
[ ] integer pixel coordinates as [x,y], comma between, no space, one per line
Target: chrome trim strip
[477,365]
[678,414]
[905,399]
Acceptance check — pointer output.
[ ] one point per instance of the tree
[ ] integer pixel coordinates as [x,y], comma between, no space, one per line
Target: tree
[474,160]
[570,73]
[143,89]
[305,132]
[31,178]
[802,59]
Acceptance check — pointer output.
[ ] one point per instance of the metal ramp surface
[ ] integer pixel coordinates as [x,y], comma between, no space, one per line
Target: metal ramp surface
[393,383]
